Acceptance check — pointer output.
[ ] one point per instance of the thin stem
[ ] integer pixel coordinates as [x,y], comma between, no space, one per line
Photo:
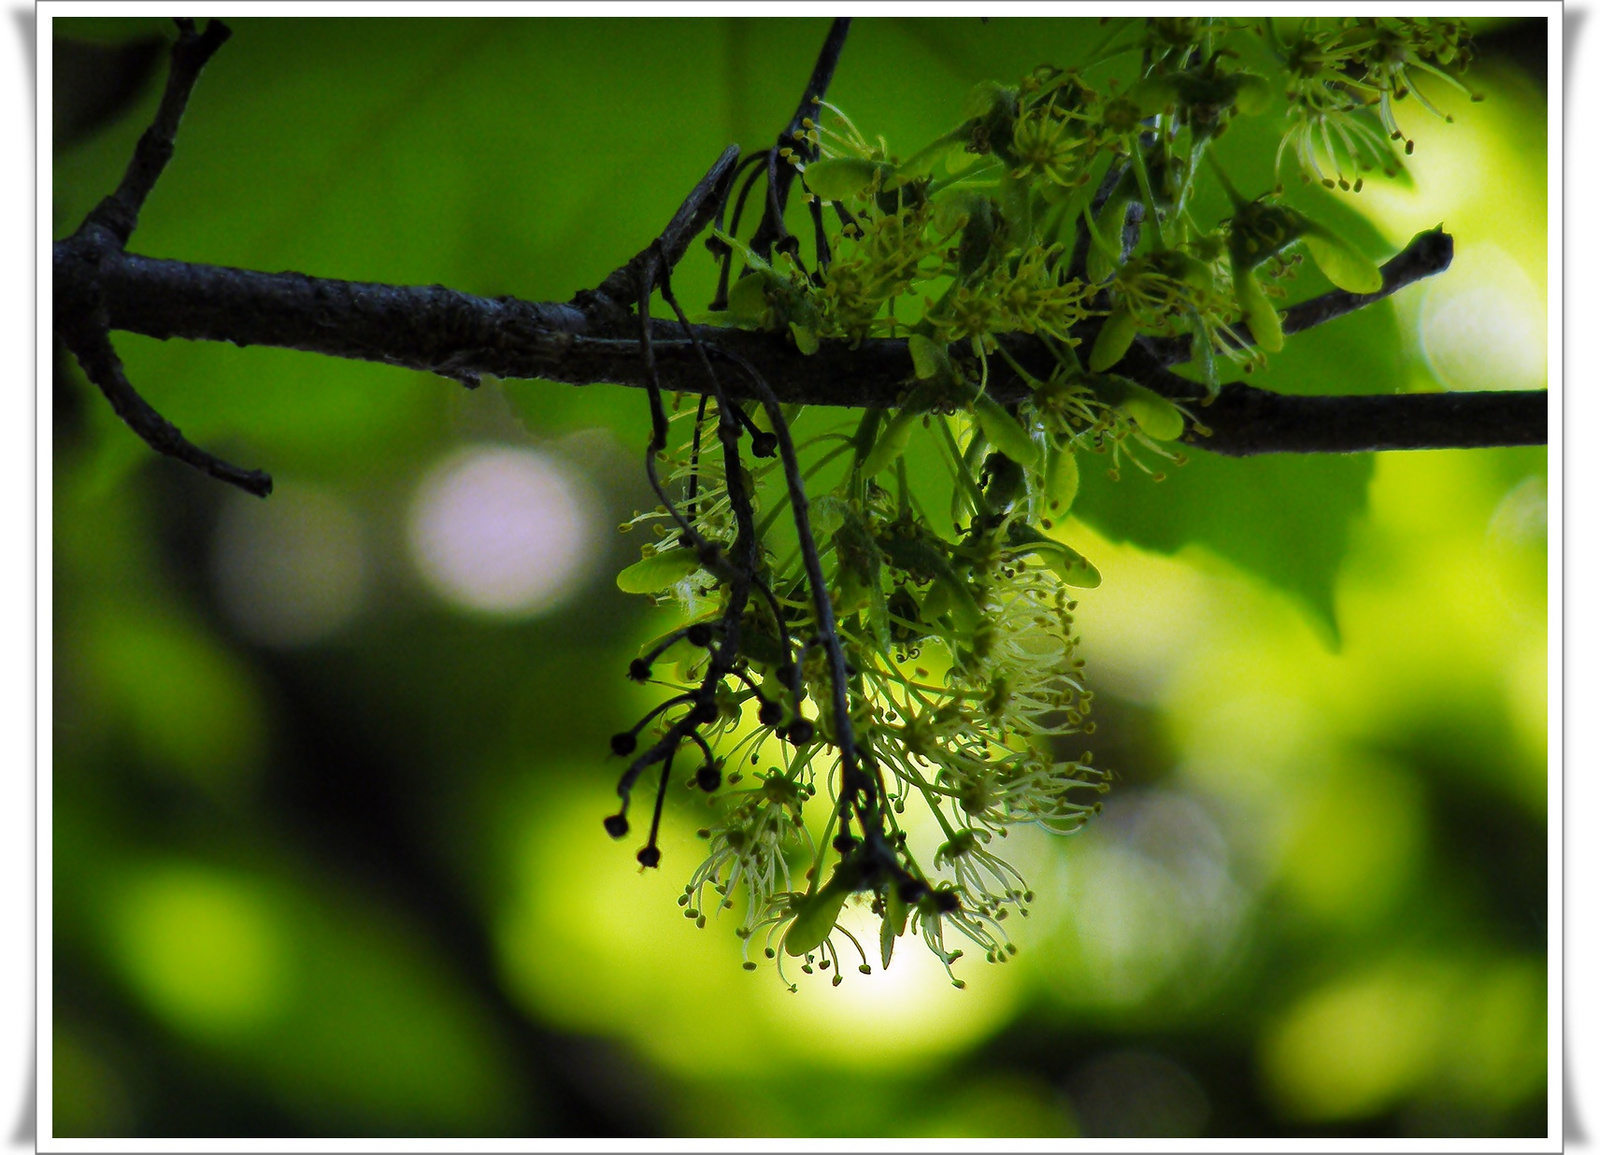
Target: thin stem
[781,177]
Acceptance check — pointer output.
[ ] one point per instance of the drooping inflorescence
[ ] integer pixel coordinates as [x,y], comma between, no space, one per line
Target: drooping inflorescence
[875,673]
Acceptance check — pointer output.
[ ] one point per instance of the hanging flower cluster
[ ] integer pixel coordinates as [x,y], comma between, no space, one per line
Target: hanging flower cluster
[877,673]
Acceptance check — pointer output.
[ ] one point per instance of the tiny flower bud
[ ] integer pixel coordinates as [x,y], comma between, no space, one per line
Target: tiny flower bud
[623,744]
[708,778]
[649,856]
[616,826]
[639,670]
[801,731]
[699,634]
[770,713]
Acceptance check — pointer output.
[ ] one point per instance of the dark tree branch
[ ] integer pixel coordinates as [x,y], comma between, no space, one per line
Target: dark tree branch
[1245,421]
[84,326]
[119,212]
[1427,254]
[99,286]
[91,345]
[704,202]
[438,330]
[780,173]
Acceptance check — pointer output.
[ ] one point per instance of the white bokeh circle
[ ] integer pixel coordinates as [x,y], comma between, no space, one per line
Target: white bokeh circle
[502,530]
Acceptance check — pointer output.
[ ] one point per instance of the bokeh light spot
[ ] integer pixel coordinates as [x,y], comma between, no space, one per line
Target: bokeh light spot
[1484,326]
[588,920]
[1353,1048]
[1145,898]
[207,952]
[502,531]
[1355,843]
[293,570]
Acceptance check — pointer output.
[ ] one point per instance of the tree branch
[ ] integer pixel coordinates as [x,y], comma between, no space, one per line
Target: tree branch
[780,173]
[1427,254]
[119,212]
[1244,421]
[99,286]
[457,335]
[103,235]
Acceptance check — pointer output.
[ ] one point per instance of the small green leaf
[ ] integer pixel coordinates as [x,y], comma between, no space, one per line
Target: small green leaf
[891,443]
[1253,94]
[1158,417]
[658,571]
[928,358]
[983,96]
[1060,479]
[747,299]
[1004,431]
[1352,271]
[827,514]
[1105,230]
[1153,94]
[1016,208]
[816,920]
[1069,565]
[1183,267]
[1265,327]
[805,339]
[950,595]
[1116,335]
[841,177]
[977,238]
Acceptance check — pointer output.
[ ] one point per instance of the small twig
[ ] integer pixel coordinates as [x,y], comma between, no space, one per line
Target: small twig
[853,781]
[704,202]
[1428,253]
[781,175]
[83,323]
[119,212]
[91,345]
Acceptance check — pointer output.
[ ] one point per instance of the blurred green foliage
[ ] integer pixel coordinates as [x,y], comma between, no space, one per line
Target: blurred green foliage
[354,882]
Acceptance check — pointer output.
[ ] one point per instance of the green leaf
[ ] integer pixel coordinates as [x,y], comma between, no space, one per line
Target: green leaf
[1158,417]
[1285,519]
[805,338]
[1115,336]
[1060,480]
[1352,271]
[1069,565]
[928,358]
[658,572]
[1253,95]
[891,443]
[1005,432]
[747,299]
[1265,327]
[842,177]
[816,919]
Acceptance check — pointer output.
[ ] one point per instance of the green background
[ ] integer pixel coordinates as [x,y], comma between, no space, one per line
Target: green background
[349,878]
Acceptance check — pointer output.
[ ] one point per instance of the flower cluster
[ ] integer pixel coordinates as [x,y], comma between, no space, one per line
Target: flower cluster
[878,671]
[1345,78]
